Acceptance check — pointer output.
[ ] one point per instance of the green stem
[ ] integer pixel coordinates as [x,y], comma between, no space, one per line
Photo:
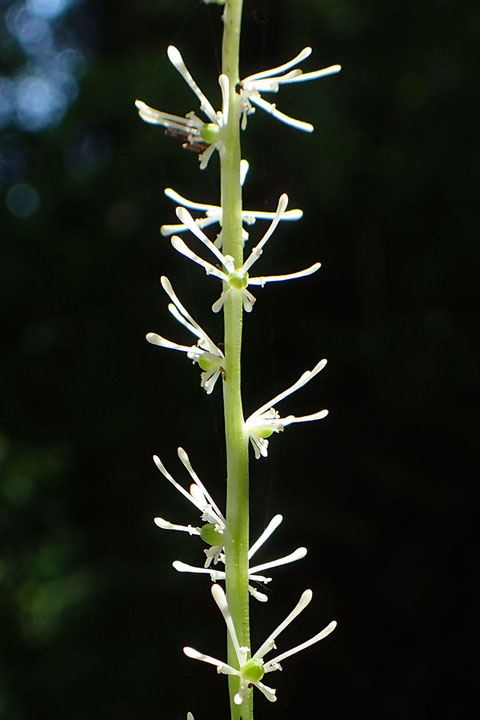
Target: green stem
[237,514]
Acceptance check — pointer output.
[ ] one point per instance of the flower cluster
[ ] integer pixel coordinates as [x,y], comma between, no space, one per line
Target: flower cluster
[252,668]
[266,420]
[205,133]
[213,213]
[212,531]
[202,137]
[206,137]
[251,87]
[205,353]
[235,279]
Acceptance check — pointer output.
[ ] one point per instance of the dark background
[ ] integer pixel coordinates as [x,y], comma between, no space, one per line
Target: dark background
[92,616]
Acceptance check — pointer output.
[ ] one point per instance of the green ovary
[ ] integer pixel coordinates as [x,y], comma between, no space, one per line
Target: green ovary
[206,363]
[264,432]
[238,281]
[210,535]
[252,671]
[209,133]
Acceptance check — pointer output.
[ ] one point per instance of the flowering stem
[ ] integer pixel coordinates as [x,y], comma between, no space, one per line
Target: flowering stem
[237,513]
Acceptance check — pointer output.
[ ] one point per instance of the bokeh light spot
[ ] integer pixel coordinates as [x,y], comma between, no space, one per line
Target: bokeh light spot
[48,9]
[40,103]
[33,33]
[43,87]
[22,200]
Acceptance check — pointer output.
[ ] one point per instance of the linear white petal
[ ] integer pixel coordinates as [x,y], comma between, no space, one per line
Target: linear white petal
[177,61]
[289,276]
[297,554]
[271,527]
[298,648]
[269,642]
[302,55]
[302,380]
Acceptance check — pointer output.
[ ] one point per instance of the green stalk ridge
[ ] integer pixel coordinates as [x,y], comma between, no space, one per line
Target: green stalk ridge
[237,504]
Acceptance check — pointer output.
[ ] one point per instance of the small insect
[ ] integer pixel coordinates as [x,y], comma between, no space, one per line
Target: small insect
[197,146]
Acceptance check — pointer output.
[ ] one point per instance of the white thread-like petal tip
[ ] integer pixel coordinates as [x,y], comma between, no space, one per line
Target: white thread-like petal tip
[243,170]
[183,214]
[219,596]
[296,214]
[159,464]
[306,598]
[320,415]
[161,523]
[191,653]
[183,456]
[299,553]
[319,366]
[166,284]
[174,55]
[180,566]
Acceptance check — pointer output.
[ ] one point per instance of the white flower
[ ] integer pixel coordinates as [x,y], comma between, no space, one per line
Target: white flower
[253,571]
[251,670]
[214,522]
[213,529]
[266,420]
[237,279]
[251,87]
[213,213]
[197,135]
[205,353]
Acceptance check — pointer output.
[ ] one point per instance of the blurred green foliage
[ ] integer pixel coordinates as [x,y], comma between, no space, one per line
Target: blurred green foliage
[92,617]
